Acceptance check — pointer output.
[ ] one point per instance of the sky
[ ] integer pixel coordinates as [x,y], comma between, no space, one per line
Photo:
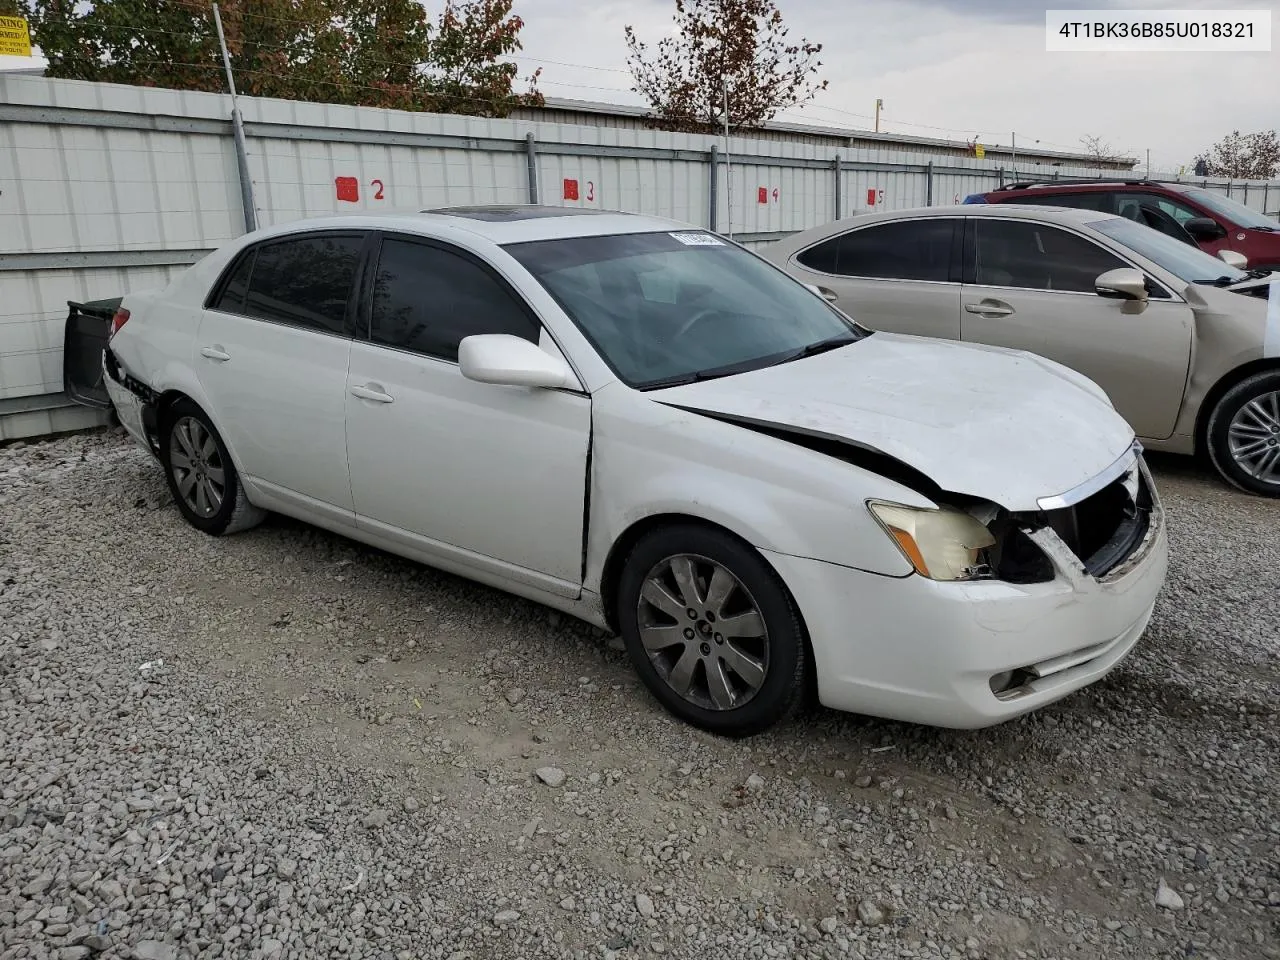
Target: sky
[949,68]
[954,69]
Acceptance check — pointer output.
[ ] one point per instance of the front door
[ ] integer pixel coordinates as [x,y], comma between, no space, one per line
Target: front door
[492,477]
[1030,286]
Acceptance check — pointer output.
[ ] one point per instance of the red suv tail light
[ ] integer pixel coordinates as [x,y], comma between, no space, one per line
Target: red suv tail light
[118,321]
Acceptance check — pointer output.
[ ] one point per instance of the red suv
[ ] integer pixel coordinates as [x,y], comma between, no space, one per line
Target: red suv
[1211,220]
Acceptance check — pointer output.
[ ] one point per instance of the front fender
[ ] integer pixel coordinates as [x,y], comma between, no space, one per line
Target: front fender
[773,494]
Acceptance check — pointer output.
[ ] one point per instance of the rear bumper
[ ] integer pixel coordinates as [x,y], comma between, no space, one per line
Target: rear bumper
[131,401]
[925,652]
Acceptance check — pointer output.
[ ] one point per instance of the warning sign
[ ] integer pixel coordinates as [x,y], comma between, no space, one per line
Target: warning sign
[15,37]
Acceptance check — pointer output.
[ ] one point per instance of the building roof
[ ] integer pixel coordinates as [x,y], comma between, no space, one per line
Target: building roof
[842,136]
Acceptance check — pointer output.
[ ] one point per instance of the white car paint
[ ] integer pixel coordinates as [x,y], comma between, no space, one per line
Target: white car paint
[529,490]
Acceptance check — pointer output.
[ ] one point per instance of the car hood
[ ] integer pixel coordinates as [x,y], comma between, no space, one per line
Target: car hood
[1002,425]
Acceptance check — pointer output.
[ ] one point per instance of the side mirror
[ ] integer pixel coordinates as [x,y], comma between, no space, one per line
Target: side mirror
[512,362]
[1205,228]
[1123,283]
[1233,258]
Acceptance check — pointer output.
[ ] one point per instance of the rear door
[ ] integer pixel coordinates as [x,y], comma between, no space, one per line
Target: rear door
[901,275]
[272,354]
[1030,286]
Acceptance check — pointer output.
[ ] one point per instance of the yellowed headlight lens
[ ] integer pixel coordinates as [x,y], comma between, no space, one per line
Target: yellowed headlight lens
[941,544]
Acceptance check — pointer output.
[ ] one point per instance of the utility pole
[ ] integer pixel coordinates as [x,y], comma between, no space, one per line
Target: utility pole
[879,105]
[1014,141]
[1148,163]
[728,165]
[237,127]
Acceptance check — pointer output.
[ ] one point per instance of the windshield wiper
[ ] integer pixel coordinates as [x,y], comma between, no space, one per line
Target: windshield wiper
[680,379]
[822,346]
[1223,281]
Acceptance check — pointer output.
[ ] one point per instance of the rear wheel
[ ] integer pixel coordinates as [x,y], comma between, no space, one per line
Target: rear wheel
[1243,434]
[712,630]
[202,478]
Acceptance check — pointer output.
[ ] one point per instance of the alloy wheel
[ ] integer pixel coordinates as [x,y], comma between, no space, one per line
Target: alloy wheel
[198,470]
[1253,438]
[703,632]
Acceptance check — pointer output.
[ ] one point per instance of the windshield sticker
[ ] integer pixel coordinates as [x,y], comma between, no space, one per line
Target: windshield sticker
[698,239]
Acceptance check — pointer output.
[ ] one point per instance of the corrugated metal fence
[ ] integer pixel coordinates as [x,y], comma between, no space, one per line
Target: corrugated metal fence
[106,189]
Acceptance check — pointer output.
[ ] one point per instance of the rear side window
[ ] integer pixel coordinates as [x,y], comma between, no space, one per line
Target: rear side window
[231,299]
[427,299]
[304,282]
[1102,202]
[1036,256]
[904,250]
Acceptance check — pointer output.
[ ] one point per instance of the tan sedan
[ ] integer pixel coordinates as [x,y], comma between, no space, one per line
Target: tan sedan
[1186,346]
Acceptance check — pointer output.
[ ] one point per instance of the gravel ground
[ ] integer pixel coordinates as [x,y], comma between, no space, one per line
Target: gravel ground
[283,744]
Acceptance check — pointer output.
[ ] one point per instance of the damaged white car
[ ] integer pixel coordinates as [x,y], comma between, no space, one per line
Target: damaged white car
[654,430]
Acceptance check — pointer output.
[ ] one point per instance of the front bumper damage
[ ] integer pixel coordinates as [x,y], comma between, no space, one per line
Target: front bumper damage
[974,653]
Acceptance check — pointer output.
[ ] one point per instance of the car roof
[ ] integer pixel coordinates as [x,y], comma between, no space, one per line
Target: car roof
[497,223]
[1007,211]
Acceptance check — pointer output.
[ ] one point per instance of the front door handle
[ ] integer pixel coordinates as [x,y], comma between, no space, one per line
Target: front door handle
[372,391]
[215,353]
[989,308]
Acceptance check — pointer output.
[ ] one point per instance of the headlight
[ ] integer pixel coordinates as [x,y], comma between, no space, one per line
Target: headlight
[942,544]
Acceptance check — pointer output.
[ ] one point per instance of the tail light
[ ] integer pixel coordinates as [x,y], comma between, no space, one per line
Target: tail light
[119,320]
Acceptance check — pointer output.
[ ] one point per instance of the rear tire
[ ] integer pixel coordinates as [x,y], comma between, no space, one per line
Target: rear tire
[201,475]
[1243,435]
[723,647]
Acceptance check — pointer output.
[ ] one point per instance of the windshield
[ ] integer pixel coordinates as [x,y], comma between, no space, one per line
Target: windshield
[1233,210]
[666,308]
[1182,260]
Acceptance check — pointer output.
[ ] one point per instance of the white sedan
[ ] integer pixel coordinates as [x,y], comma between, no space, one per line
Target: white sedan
[648,427]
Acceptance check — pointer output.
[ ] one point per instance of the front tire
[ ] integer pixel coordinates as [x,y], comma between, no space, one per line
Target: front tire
[1243,434]
[201,476]
[712,630]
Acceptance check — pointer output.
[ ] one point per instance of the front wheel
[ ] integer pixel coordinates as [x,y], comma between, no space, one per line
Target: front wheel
[201,476]
[1243,434]
[712,630]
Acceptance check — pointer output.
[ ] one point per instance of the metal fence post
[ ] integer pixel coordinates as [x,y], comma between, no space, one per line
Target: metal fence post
[237,129]
[531,158]
[1266,193]
[836,175]
[713,189]
[1246,193]
[1001,172]
[928,184]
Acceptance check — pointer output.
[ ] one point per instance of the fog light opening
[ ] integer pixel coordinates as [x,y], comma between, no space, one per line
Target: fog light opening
[1011,684]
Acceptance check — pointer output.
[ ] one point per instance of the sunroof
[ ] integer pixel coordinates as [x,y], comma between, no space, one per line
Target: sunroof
[500,214]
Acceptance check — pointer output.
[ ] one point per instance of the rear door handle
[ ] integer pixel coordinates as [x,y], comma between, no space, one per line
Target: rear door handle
[215,353]
[372,391]
[989,308]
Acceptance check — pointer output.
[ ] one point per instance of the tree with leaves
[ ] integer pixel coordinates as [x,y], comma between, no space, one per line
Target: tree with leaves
[724,50]
[382,53]
[1250,156]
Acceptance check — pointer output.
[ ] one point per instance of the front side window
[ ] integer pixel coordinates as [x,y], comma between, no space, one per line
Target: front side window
[426,299]
[902,250]
[304,282]
[663,308]
[1036,256]
[1232,210]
